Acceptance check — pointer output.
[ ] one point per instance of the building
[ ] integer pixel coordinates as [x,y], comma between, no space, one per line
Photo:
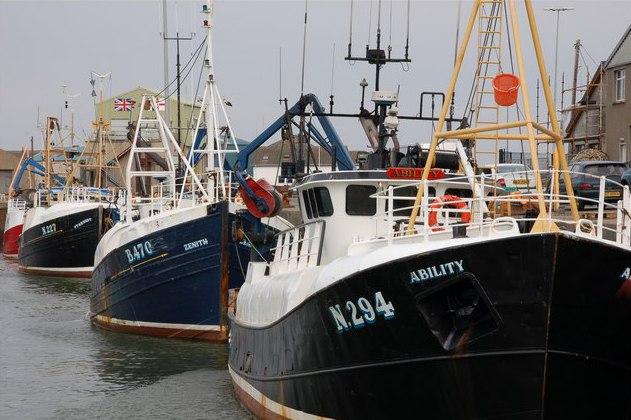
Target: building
[618,100]
[276,162]
[586,126]
[120,114]
[601,119]
[123,109]
[9,161]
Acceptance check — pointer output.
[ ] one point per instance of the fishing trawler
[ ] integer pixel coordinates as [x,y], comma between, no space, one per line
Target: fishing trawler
[410,293]
[68,218]
[13,227]
[19,201]
[173,266]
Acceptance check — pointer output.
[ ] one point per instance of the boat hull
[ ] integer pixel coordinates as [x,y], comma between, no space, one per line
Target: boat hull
[62,246]
[176,281]
[13,229]
[518,328]
[11,241]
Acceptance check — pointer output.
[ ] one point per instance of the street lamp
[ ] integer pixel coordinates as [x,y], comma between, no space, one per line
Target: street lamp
[556,51]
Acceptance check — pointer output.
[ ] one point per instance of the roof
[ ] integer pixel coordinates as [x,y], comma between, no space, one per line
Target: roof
[271,155]
[146,91]
[615,51]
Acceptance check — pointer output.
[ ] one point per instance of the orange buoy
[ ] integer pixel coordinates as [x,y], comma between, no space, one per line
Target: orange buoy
[505,89]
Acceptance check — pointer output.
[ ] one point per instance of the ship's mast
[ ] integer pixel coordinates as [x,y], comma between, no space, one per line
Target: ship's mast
[211,105]
[385,101]
[209,93]
[535,131]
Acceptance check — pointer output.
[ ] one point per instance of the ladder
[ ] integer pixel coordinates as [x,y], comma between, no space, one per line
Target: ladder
[152,125]
[487,111]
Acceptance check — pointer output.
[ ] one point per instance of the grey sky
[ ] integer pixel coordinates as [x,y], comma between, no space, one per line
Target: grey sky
[47,44]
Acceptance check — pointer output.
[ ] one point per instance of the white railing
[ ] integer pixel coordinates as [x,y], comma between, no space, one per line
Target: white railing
[17,204]
[55,195]
[298,248]
[523,208]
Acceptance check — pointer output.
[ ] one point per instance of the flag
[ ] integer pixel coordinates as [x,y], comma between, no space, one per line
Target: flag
[124,104]
[161,104]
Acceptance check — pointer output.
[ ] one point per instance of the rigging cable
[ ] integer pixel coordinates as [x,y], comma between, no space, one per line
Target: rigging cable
[390,36]
[406,66]
[407,36]
[195,54]
[350,35]
[191,61]
[332,70]
[304,48]
[245,235]
[586,52]
[369,24]
[190,123]
[379,16]
[457,32]
[280,75]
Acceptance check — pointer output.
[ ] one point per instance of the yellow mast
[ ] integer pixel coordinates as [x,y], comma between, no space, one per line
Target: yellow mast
[102,139]
[548,135]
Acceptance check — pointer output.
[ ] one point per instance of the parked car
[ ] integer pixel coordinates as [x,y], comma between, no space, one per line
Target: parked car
[511,176]
[585,178]
[626,175]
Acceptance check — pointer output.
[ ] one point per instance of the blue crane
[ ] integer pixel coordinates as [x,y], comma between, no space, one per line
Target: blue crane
[331,142]
[259,196]
[37,169]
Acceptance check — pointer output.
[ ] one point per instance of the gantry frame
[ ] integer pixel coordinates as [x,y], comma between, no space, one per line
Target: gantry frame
[543,222]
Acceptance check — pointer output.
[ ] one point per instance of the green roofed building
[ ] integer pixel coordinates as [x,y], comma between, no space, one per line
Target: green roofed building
[124,107]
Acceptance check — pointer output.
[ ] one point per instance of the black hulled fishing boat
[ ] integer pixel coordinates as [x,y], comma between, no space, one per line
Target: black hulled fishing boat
[413,293]
[62,229]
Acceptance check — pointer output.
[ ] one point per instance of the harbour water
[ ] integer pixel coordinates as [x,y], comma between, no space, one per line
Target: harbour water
[55,365]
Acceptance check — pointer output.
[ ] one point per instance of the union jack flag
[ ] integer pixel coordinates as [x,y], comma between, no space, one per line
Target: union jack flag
[124,104]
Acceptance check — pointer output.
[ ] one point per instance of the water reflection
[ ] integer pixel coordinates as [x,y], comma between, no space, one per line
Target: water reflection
[55,365]
[130,361]
[57,285]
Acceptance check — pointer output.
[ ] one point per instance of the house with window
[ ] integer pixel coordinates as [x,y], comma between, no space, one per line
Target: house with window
[586,124]
[618,100]
[278,164]
[601,119]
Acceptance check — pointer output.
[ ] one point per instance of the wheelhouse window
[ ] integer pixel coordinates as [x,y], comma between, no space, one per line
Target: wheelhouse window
[620,83]
[317,202]
[359,201]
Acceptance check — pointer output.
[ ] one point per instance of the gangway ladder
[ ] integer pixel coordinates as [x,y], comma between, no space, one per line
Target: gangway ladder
[487,111]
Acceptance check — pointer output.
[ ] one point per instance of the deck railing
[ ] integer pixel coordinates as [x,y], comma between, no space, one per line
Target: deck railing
[55,195]
[521,207]
[298,248]
[17,204]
